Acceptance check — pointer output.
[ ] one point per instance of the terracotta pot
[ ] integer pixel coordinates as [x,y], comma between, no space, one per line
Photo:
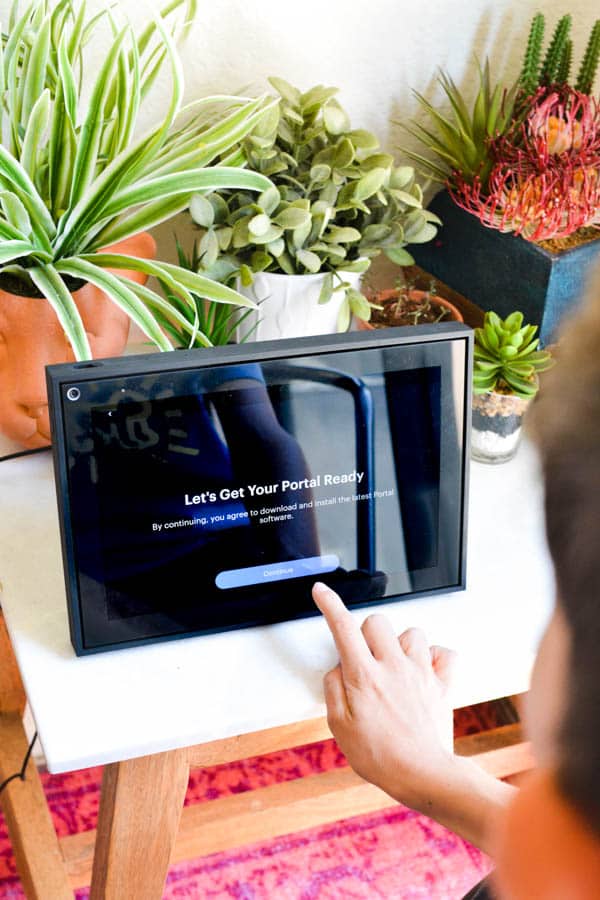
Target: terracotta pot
[31,338]
[383,296]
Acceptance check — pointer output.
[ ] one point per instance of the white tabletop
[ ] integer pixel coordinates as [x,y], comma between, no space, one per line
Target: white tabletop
[127,703]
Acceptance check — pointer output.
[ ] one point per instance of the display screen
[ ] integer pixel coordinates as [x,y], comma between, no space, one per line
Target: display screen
[210,498]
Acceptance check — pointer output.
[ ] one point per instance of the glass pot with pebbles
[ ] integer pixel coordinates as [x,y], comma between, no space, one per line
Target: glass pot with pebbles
[507,363]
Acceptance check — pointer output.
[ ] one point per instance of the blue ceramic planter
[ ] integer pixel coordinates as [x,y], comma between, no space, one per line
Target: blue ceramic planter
[503,272]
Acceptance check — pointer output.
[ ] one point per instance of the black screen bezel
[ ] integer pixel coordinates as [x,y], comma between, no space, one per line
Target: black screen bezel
[60,378]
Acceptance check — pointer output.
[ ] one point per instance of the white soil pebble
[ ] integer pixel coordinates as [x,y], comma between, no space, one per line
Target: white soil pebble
[488,446]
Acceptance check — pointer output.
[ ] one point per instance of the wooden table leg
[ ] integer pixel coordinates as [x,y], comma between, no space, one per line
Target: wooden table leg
[34,841]
[140,809]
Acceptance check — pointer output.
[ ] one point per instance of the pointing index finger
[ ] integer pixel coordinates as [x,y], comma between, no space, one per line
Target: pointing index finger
[352,648]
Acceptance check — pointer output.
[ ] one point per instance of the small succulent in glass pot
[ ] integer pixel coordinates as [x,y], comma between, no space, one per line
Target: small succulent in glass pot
[507,363]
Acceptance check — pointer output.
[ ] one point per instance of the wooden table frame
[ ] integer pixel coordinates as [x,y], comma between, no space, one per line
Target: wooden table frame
[142,825]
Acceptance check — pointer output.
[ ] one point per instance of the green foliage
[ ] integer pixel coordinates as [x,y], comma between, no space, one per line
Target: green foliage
[75,176]
[459,140]
[336,200]
[506,356]
[555,69]
[589,63]
[216,322]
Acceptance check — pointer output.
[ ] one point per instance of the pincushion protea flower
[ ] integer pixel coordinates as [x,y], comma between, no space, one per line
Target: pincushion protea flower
[545,182]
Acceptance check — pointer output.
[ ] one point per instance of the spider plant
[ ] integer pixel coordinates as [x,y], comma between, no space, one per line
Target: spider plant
[75,175]
[216,321]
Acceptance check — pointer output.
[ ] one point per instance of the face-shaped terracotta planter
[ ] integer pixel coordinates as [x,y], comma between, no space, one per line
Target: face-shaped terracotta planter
[31,338]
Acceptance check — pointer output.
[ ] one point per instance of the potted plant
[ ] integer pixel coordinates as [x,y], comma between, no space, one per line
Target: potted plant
[407,305]
[524,163]
[507,363]
[217,322]
[300,247]
[78,187]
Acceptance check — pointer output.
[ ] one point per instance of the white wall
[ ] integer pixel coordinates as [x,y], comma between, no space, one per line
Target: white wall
[374,51]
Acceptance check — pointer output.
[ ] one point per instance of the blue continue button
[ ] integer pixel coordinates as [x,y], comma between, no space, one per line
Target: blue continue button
[281,571]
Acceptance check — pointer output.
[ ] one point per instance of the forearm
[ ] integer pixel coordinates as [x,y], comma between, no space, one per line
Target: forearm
[465,799]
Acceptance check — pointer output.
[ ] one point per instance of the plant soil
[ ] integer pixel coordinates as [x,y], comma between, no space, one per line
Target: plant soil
[407,311]
[19,287]
[582,236]
[498,413]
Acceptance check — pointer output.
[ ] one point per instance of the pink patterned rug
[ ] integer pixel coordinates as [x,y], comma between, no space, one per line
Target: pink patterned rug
[395,854]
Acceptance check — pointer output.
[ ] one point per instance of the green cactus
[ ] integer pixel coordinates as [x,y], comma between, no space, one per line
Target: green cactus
[529,78]
[556,66]
[564,68]
[506,356]
[589,64]
[554,54]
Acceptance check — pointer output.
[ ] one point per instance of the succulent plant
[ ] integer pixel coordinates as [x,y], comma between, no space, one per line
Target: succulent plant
[336,201]
[74,175]
[526,160]
[506,356]
[460,140]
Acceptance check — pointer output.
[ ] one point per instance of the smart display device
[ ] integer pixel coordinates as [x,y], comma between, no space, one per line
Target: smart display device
[204,490]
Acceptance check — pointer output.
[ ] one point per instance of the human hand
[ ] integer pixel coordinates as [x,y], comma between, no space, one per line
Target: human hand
[387,703]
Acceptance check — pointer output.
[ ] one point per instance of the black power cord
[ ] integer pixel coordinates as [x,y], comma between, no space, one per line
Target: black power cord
[24,453]
[21,774]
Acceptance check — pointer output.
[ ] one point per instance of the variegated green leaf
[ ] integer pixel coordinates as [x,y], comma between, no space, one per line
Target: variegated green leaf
[157,303]
[144,219]
[191,281]
[49,282]
[67,77]
[208,179]
[15,213]
[34,78]
[10,250]
[120,292]
[14,177]
[9,232]
[36,127]
[91,130]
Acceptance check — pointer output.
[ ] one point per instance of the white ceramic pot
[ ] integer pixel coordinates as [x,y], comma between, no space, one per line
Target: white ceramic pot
[289,306]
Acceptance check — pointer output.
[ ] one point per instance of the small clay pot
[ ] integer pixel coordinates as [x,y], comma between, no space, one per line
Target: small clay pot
[32,338]
[383,297]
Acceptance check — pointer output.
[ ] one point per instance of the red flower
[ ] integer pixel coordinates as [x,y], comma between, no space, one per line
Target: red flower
[545,182]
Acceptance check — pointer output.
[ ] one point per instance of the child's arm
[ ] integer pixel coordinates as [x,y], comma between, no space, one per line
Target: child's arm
[387,708]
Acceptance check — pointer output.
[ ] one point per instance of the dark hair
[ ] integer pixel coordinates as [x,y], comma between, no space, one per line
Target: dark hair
[565,423]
